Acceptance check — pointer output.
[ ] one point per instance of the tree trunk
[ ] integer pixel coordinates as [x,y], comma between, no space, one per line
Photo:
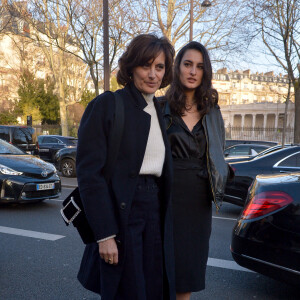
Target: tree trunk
[285,114]
[63,111]
[297,115]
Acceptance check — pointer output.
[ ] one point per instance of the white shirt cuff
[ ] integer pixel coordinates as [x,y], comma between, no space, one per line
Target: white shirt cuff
[105,239]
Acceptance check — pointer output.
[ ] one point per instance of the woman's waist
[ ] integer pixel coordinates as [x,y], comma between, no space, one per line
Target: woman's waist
[189,163]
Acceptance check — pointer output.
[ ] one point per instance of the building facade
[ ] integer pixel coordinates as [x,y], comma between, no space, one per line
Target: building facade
[21,50]
[254,100]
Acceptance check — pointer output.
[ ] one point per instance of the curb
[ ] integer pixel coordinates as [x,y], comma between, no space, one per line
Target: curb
[69,186]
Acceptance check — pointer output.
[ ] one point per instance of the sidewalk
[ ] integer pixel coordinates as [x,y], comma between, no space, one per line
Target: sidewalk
[68,182]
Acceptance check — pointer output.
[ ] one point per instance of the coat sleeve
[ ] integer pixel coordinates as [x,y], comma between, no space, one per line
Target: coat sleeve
[230,170]
[93,135]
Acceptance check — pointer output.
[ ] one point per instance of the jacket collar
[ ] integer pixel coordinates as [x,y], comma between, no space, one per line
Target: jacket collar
[135,95]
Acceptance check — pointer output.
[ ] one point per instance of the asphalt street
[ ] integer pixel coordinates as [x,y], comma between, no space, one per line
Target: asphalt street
[40,256]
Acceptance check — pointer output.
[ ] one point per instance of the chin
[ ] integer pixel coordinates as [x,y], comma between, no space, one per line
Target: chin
[190,87]
[150,91]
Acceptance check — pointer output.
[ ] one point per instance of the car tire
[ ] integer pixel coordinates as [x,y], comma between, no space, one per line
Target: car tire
[68,168]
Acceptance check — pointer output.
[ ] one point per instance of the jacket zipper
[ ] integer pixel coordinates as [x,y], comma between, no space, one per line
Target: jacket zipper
[208,167]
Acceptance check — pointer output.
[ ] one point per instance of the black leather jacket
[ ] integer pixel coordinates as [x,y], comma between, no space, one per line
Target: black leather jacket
[218,169]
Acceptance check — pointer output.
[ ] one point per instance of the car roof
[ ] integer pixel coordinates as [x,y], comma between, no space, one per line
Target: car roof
[249,145]
[57,136]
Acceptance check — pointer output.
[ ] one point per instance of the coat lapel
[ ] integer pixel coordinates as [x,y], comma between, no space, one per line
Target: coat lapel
[167,172]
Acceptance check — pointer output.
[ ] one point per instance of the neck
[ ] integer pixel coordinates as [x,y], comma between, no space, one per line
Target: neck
[148,97]
[189,100]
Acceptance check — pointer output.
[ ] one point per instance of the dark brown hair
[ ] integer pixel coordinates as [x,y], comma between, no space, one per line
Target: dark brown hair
[205,96]
[142,49]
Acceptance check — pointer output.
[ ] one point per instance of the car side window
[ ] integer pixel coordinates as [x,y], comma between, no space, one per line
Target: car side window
[292,161]
[241,150]
[4,134]
[50,140]
[258,149]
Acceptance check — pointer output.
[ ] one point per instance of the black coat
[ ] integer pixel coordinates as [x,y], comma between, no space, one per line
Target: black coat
[108,206]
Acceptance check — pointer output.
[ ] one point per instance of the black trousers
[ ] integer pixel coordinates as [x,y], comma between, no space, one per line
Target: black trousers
[142,277]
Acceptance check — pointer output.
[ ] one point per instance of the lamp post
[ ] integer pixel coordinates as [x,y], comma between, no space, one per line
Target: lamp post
[106,45]
[204,4]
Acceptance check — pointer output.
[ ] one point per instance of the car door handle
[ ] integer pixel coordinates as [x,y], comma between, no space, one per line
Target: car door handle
[283,171]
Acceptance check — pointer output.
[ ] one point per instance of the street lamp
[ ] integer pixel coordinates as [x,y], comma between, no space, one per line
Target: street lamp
[106,45]
[205,3]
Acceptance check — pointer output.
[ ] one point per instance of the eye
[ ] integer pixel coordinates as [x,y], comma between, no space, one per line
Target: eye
[186,64]
[160,67]
[200,67]
[146,65]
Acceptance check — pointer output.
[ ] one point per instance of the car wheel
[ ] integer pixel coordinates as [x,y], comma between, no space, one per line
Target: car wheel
[68,168]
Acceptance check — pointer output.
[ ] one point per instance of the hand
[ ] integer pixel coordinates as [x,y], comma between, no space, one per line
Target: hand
[108,251]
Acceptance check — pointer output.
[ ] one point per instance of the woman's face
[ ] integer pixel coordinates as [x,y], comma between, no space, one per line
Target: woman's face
[191,69]
[148,78]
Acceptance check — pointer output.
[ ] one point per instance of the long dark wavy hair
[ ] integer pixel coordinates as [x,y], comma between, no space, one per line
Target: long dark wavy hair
[205,96]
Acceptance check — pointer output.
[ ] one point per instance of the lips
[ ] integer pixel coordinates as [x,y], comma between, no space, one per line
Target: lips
[191,80]
[151,84]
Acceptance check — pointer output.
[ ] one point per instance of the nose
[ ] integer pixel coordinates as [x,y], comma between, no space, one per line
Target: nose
[152,73]
[193,70]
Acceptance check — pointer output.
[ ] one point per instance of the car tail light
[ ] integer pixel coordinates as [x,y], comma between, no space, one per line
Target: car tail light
[265,203]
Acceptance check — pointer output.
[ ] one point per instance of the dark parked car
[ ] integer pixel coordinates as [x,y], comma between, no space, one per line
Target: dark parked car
[266,236]
[280,161]
[50,144]
[65,161]
[229,143]
[25,178]
[245,150]
[247,158]
[23,137]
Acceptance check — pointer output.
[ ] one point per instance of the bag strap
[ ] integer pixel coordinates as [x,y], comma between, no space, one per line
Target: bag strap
[115,136]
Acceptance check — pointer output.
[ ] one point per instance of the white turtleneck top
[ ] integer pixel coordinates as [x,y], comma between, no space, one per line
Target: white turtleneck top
[154,156]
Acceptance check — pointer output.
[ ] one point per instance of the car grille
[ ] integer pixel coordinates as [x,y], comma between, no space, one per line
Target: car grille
[38,176]
[40,194]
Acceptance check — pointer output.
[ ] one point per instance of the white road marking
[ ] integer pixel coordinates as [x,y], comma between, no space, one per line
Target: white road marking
[32,234]
[212,262]
[226,264]
[57,200]
[222,218]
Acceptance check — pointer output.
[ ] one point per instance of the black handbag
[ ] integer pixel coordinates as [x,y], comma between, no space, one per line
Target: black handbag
[73,210]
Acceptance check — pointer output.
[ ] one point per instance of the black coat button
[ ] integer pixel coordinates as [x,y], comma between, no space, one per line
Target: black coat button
[123,205]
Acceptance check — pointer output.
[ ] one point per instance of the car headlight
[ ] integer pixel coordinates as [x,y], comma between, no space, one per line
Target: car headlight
[8,171]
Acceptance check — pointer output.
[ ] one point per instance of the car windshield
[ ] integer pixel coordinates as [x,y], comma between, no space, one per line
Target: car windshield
[6,148]
[72,142]
[24,135]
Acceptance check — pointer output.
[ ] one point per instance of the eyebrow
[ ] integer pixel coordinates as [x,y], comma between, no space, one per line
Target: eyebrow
[187,60]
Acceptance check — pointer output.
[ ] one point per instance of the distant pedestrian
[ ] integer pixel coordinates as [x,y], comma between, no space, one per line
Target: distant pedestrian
[196,134]
[130,215]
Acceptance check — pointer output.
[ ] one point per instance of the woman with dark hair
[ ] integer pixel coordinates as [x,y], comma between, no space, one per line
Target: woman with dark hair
[196,135]
[132,257]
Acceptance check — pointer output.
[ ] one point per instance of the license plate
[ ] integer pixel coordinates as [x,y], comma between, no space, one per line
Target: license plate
[45,186]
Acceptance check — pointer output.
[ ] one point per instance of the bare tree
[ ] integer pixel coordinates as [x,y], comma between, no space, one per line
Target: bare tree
[86,29]
[216,27]
[5,17]
[278,24]
[49,30]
